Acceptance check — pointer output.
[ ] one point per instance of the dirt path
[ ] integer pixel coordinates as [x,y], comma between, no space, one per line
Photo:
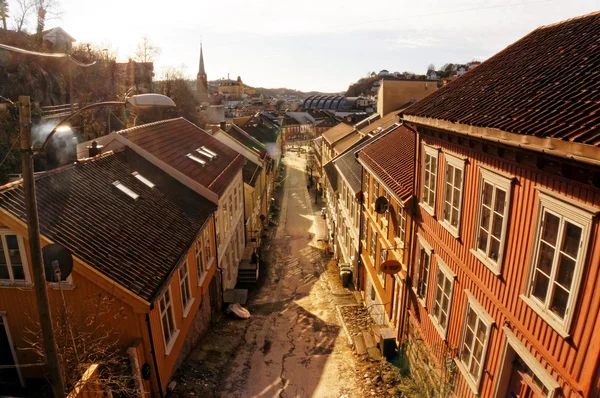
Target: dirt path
[293,345]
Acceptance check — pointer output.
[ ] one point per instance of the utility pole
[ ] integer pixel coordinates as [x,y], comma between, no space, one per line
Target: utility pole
[35,247]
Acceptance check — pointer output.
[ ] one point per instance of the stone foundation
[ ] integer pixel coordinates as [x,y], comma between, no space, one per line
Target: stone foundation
[199,326]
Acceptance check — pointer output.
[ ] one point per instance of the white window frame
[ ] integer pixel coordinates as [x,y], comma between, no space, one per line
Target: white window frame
[373,250]
[498,182]
[163,312]
[422,245]
[577,214]
[374,193]
[184,282]
[207,249]
[451,276]
[457,163]
[488,321]
[22,253]
[434,153]
[400,239]
[383,255]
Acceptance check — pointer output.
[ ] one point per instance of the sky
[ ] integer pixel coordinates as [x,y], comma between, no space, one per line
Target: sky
[321,45]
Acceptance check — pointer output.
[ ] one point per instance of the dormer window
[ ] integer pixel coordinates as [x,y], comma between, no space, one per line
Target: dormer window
[126,190]
[196,159]
[143,179]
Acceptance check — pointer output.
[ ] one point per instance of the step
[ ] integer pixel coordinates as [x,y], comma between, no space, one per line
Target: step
[359,344]
[369,340]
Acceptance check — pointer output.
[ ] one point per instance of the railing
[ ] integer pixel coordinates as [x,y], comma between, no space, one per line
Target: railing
[58,111]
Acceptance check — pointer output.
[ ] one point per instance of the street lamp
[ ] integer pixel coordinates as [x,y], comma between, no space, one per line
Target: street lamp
[33,225]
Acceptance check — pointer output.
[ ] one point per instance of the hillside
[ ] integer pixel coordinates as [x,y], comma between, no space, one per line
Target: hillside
[279,92]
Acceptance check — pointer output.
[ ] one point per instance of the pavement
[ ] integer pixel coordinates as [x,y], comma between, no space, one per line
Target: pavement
[293,345]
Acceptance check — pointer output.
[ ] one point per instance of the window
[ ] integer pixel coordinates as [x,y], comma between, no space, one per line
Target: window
[492,219]
[375,192]
[184,285]
[442,297]
[422,271]
[473,346]
[373,246]
[382,259]
[453,187]
[400,226]
[430,159]
[207,250]
[559,254]
[167,321]
[363,232]
[13,262]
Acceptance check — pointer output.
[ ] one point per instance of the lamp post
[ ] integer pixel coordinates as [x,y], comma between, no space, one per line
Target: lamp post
[33,225]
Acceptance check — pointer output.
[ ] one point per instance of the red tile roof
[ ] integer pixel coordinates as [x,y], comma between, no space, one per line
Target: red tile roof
[545,85]
[171,140]
[136,243]
[391,158]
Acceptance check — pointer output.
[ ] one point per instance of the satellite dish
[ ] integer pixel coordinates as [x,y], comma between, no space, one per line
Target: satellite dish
[390,267]
[57,258]
[263,217]
[381,205]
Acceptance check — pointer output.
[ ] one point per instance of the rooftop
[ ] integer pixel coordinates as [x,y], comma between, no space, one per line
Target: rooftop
[391,157]
[134,242]
[183,146]
[544,85]
[338,132]
[247,140]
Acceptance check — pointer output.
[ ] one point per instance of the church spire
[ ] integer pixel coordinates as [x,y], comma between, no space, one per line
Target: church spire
[201,70]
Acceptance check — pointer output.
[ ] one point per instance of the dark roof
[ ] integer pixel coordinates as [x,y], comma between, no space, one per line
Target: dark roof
[171,140]
[391,156]
[259,130]
[135,243]
[247,140]
[349,167]
[331,173]
[335,102]
[545,85]
[250,173]
[328,122]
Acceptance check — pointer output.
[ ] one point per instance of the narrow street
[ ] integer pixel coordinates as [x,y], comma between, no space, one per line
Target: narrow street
[293,345]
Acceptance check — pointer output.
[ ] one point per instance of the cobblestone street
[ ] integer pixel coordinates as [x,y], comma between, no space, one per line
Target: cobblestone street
[293,345]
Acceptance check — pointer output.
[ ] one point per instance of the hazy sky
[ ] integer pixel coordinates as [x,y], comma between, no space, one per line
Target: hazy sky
[311,44]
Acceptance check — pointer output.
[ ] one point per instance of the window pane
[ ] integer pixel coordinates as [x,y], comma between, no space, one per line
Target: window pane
[457,178]
[469,337]
[559,301]
[485,217]
[170,318]
[487,194]
[166,330]
[546,258]
[550,228]
[566,268]
[4,272]
[540,287]
[497,226]
[494,249]
[474,370]
[483,237]
[478,350]
[466,354]
[571,240]
[454,220]
[18,273]
[500,201]
[481,330]
[471,319]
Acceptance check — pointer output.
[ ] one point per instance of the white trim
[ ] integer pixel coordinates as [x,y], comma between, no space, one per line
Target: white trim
[579,216]
[186,281]
[424,243]
[12,347]
[444,267]
[502,182]
[187,309]
[27,282]
[434,153]
[457,163]
[527,357]
[168,344]
[447,272]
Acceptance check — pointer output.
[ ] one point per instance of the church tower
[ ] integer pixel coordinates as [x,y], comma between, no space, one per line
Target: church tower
[201,79]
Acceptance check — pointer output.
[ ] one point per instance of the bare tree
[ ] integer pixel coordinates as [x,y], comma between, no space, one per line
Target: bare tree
[21,13]
[47,10]
[3,12]
[86,335]
[430,67]
[146,50]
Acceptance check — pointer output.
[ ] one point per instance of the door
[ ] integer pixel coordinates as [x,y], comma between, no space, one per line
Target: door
[523,383]
[8,371]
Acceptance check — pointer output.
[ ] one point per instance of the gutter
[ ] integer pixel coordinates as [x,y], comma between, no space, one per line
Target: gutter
[160,391]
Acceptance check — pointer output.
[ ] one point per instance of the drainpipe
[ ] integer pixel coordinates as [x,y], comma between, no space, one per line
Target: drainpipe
[411,242]
[160,391]
[217,256]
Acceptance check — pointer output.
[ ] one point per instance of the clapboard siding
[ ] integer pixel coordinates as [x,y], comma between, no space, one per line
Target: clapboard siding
[571,362]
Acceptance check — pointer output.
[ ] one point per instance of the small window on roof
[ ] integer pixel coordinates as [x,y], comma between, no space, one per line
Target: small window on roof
[205,154]
[196,159]
[126,190]
[143,179]
[205,149]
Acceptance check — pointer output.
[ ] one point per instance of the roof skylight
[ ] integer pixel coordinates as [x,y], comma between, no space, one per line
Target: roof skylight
[126,190]
[196,159]
[204,153]
[205,149]
[143,179]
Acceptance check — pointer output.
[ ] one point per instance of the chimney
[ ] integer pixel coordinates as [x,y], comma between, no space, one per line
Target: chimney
[94,150]
[223,125]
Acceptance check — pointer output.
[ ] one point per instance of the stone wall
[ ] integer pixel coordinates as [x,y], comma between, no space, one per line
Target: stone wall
[199,326]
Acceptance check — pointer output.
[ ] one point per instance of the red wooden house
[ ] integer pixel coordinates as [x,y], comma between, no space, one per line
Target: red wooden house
[507,251]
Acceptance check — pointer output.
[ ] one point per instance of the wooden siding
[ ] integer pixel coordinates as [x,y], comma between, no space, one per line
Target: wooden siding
[573,361]
[21,312]
[389,293]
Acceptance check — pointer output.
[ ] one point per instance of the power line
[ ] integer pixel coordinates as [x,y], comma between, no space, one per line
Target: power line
[47,55]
